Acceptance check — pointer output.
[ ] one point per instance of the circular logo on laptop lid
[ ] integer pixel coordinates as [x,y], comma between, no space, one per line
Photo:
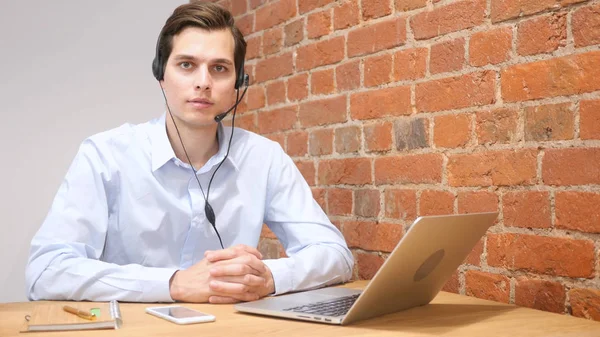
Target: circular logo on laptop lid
[429,265]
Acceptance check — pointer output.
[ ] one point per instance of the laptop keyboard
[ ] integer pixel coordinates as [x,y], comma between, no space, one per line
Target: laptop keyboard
[336,307]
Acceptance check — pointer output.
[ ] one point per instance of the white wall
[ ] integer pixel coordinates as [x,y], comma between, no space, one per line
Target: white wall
[68,69]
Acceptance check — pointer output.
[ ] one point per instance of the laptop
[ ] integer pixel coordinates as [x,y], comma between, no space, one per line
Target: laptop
[413,274]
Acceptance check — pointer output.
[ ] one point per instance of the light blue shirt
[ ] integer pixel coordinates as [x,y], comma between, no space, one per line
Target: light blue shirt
[129,214]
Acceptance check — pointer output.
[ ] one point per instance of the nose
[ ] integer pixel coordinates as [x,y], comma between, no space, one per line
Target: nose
[203,80]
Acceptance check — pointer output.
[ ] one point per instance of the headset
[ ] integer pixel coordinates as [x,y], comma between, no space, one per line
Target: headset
[158,70]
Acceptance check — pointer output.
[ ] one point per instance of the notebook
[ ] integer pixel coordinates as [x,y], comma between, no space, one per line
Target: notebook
[48,316]
[413,274]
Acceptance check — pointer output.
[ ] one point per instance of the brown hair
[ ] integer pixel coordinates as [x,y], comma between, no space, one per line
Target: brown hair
[203,15]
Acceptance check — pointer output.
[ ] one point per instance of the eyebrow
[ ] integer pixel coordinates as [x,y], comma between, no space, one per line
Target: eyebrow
[190,57]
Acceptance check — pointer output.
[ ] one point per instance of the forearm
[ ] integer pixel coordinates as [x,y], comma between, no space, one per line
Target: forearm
[314,266]
[62,275]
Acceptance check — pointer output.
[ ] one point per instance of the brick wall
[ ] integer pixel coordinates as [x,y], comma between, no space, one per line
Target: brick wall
[398,108]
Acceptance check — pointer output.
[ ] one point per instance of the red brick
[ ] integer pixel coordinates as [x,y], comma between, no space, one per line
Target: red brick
[345,15]
[277,137]
[276,120]
[495,168]
[589,119]
[508,9]
[255,97]
[267,233]
[586,25]
[578,211]
[452,130]
[490,47]
[318,24]
[372,236]
[542,34]
[347,76]
[477,201]
[275,13]
[549,122]
[456,92]
[497,126]
[320,195]
[558,164]
[400,204]
[453,284]
[410,64]
[450,18]
[368,264]
[269,248]
[530,209]
[372,9]
[294,32]
[378,103]
[320,53]
[347,139]
[378,70]
[569,75]
[416,169]
[297,87]
[276,92]
[488,286]
[447,56]
[366,203]
[245,24]
[378,136]
[411,133]
[407,5]
[321,82]
[307,169]
[297,143]
[246,122]
[238,7]
[375,37]
[585,303]
[272,40]
[253,48]
[339,201]
[309,5]
[323,111]
[256,3]
[474,257]
[436,202]
[350,171]
[539,254]
[320,142]
[274,67]
[540,294]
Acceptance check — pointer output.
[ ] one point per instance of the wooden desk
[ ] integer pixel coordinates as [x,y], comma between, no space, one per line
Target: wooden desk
[448,315]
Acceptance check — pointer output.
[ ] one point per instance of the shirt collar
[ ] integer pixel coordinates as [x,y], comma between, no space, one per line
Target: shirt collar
[162,151]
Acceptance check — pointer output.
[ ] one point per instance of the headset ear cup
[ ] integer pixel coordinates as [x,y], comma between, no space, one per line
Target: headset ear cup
[156,69]
[239,81]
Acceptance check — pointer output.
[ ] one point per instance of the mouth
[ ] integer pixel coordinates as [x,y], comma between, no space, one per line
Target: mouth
[200,103]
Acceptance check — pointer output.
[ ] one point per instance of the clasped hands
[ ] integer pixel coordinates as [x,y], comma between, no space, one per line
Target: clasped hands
[229,275]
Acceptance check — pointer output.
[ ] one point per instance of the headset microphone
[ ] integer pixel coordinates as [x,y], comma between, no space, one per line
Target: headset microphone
[221,116]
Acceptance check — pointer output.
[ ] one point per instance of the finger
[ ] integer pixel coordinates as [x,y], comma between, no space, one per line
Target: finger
[233,290]
[251,263]
[231,253]
[248,279]
[222,300]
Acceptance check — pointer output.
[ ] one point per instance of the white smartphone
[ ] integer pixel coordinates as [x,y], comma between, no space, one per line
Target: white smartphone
[180,315]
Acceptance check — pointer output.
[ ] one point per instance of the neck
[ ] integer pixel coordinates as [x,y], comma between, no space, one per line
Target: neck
[201,143]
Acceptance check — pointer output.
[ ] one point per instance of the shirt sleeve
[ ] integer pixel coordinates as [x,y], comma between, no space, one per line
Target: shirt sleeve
[65,255]
[317,252]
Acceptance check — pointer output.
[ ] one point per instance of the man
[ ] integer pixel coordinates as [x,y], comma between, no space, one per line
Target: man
[134,221]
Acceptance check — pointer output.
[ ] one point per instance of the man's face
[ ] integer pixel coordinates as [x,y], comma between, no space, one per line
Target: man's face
[199,76]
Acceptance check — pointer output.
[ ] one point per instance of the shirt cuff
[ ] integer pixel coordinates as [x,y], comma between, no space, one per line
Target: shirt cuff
[282,276]
[155,284]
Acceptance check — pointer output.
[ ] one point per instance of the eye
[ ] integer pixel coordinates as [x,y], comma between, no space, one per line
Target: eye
[185,65]
[219,68]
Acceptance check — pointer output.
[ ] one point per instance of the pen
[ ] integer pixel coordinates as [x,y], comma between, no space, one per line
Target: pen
[80,313]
